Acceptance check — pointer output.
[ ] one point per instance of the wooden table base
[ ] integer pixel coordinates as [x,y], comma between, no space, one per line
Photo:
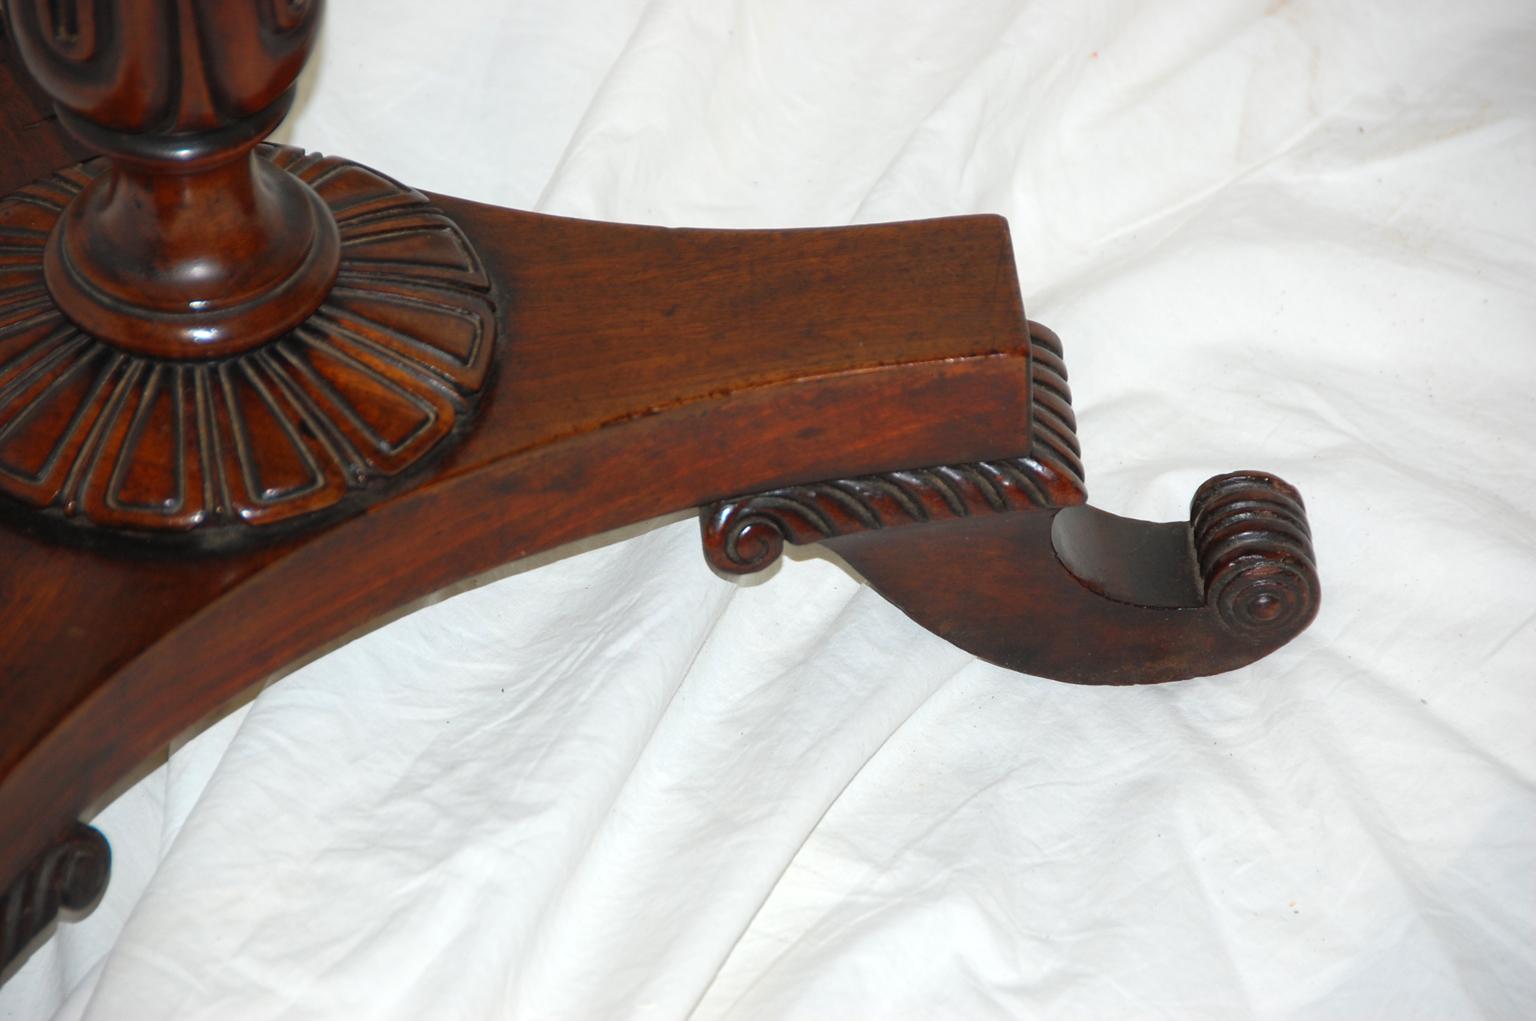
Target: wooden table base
[482,384]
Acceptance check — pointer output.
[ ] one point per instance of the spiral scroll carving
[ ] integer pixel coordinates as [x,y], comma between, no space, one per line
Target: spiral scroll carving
[746,535]
[70,874]
[1254,550]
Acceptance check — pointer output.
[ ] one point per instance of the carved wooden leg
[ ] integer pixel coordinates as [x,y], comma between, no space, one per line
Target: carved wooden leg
[252,399]
[69,873]
[619,397]
[1005,559]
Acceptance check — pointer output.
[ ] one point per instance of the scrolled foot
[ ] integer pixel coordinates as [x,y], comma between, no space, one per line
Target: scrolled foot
[1006,560]
[71,874]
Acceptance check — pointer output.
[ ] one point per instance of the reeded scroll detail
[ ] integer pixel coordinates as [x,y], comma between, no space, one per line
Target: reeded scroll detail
[72,873]
[748,534]
[378,378]
[1254,550]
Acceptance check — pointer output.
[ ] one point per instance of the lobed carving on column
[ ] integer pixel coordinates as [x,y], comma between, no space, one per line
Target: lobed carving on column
[746,535]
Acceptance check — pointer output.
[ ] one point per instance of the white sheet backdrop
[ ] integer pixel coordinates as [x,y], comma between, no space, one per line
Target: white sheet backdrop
[1290,235]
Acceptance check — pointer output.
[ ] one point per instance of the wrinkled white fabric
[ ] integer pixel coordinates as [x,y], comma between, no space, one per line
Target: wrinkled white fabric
[1288,235]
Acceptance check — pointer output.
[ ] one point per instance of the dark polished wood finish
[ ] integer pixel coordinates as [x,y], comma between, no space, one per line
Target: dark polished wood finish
[619,398]
[386,371]
[480,384]
[1012,565]
[188,246]
[69,873]
[32,143]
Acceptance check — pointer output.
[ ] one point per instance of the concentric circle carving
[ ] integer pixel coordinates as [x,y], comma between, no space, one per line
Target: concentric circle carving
[380,377]
[1255,553]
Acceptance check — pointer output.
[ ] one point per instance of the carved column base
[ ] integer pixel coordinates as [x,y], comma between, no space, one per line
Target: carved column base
[329,416]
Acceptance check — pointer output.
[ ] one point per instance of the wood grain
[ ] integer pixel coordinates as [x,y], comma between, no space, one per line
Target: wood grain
[597,418]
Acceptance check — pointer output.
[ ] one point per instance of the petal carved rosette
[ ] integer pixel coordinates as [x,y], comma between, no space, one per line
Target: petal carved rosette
[374,382]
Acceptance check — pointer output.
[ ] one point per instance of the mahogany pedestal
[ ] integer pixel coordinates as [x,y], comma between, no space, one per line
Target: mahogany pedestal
[390,392]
